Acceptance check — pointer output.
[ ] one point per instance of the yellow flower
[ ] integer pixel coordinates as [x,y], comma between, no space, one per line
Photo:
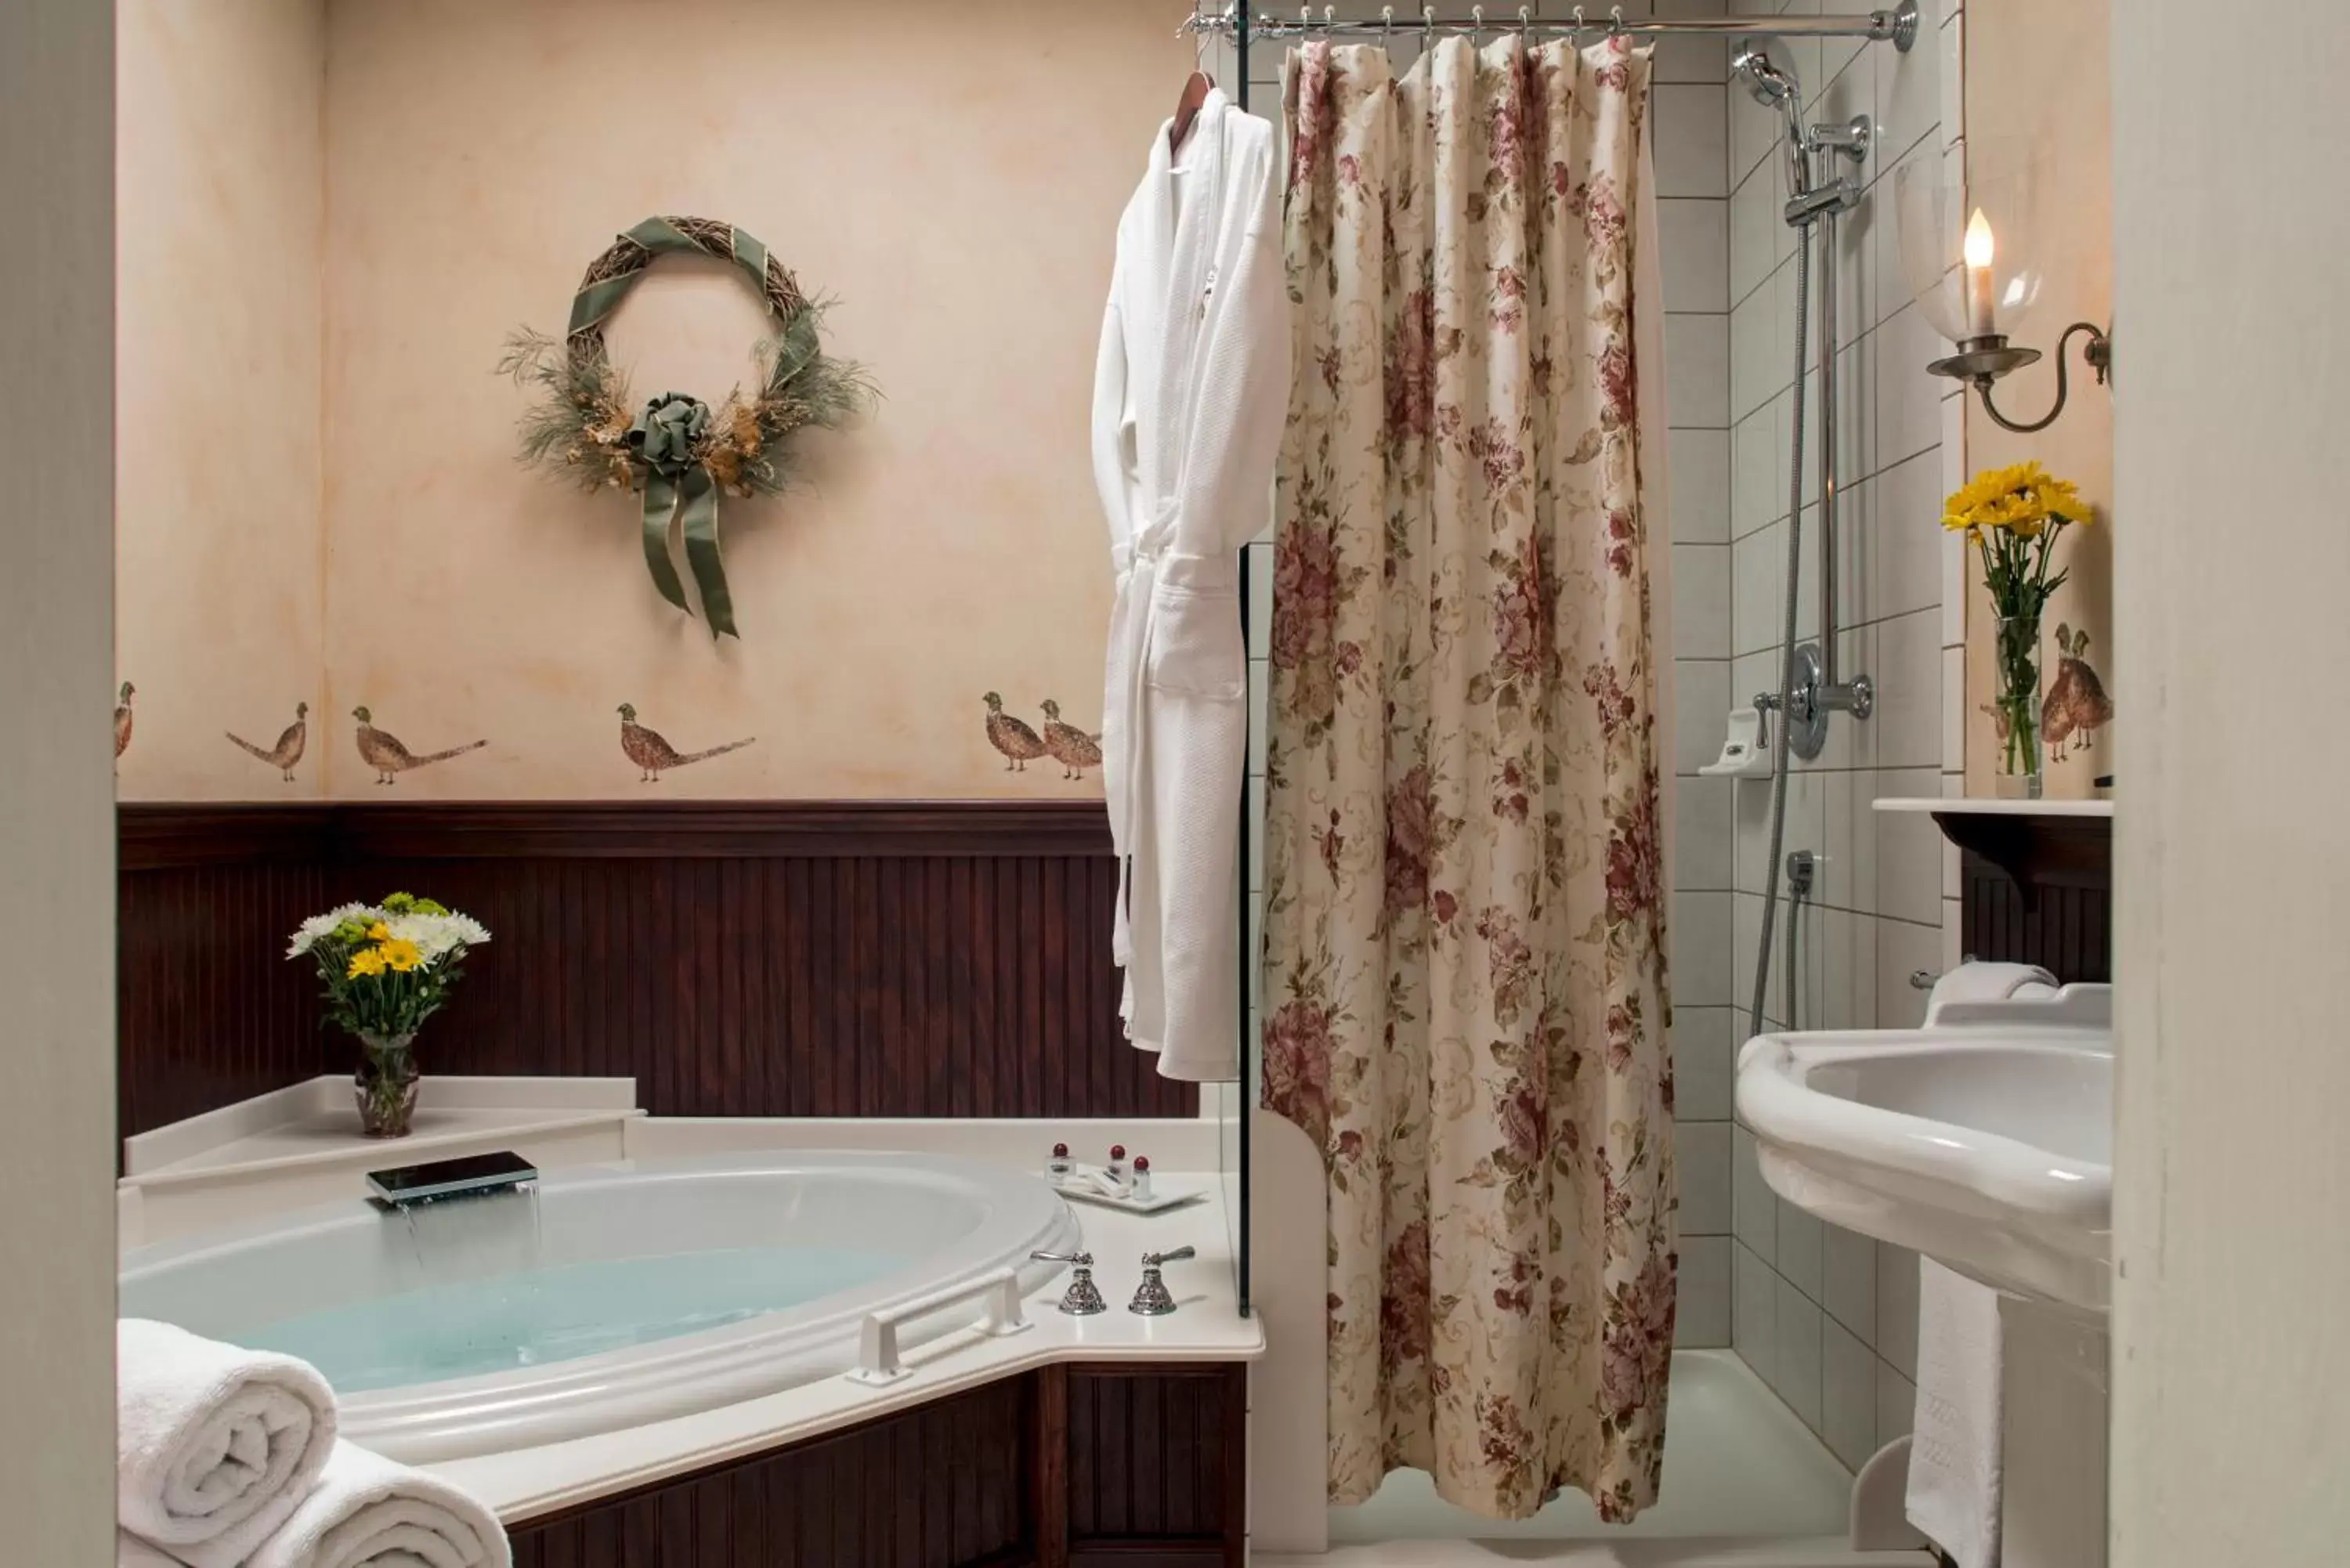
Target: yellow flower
[401,955]
[2019,499]
[379,932]
[367,961]
[2062,499]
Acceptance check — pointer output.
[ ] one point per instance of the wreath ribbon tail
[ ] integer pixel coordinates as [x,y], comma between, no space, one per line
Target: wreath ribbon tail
[661,504]
[700,493]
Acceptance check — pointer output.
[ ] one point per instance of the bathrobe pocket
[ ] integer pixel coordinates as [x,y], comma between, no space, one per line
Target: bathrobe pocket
[1195,643]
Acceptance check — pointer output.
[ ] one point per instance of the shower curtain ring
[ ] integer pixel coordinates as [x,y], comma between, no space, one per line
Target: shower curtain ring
[1616,21]
[1386,27]
[1476,24]
[1575,34]
[1525,23]
[1427,26]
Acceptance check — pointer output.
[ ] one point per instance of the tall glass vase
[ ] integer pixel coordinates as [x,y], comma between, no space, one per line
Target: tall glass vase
[2016,710]
[385,1084]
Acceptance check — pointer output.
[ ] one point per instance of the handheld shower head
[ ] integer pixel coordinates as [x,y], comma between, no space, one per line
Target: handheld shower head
[1771,85]
[1775,87]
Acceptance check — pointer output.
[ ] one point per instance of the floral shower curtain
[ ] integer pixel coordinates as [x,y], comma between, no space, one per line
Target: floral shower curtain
[1464,987]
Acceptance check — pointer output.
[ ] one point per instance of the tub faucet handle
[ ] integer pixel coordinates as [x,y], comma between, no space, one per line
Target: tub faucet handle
[1152,1298]
[1082,1299]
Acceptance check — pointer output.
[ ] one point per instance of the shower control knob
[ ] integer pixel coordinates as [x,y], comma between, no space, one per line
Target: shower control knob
[1151,1298]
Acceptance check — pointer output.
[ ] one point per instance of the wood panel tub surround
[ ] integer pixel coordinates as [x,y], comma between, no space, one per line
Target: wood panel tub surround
[815,959]
[1092,1465]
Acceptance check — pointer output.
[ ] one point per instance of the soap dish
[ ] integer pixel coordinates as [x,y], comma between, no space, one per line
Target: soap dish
[1163,1196]
[1081,1187]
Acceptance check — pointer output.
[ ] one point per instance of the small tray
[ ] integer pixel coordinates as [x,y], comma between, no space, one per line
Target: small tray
[1165,1194]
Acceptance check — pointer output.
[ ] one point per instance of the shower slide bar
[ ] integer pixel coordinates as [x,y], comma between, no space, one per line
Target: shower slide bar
[1898,27]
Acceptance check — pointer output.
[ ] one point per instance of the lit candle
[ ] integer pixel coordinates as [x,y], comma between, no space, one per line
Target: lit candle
[1977,253]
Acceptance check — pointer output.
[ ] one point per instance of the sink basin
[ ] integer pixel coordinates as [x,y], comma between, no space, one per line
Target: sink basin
[1983,1140]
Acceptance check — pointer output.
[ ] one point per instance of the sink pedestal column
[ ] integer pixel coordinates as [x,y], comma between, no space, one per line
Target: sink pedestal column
[2053,1512]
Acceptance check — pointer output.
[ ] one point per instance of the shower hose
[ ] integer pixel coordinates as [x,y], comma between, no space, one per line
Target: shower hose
[1780,752]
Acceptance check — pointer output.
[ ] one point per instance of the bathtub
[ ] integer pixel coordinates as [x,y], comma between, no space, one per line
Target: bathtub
[610,1296]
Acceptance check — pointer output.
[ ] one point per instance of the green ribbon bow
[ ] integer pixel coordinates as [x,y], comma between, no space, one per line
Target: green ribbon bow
[677,487]
[666,440]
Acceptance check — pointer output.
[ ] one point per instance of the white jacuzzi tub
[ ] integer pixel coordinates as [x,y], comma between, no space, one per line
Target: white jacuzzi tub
[617,1294]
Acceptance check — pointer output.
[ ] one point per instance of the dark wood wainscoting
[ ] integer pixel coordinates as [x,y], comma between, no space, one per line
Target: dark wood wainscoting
[818,958]
[2036,889]
[2065,929]
[1070,1467]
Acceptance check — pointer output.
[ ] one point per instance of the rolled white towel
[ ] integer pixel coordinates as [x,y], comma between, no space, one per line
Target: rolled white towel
[130,1552]
[213,1444]
[369,1512]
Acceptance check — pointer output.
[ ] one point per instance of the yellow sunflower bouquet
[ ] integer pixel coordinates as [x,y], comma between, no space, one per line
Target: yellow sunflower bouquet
[383,969]
[2013,516]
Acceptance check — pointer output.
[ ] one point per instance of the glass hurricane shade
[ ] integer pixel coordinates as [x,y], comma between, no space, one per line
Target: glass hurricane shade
[1971,251]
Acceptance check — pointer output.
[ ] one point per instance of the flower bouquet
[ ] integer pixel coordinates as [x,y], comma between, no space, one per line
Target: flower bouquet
[386,968]
[2014,517]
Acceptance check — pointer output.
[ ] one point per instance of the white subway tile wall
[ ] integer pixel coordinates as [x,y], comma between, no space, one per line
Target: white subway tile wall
[1827,1318]
[1690,127]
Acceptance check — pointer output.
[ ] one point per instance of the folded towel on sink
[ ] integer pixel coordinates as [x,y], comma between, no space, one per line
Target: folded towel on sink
[1956,1471]
[1977,981]
[215,1445]
[368,1512]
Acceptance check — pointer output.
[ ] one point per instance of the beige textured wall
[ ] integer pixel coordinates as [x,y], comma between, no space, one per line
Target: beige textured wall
[219,179]
[56,832]
[2231,1370]
[2036,77]
[953,178]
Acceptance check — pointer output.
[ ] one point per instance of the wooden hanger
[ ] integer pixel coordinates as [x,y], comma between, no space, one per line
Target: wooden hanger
[1187,109]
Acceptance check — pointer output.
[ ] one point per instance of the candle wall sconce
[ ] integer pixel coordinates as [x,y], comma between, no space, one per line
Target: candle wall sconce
[1974,255]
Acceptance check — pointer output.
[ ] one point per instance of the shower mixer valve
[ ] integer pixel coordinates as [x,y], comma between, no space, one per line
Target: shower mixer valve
[1811,696]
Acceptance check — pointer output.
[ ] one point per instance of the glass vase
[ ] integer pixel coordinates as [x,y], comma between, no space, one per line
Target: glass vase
[2015,707]
[385,1084]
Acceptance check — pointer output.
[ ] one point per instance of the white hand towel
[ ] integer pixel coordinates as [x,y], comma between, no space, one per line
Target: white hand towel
[1980,981]
[213,1444]
[1954,1453]
[1977,981]
[369,1513]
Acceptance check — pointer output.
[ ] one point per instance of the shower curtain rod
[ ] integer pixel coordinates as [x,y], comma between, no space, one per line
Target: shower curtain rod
[1898,27]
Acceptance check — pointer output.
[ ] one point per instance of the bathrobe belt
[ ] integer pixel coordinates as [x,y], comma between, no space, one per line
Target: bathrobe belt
[1142,567]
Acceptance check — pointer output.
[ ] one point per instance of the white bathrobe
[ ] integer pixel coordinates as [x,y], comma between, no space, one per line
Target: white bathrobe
[1189,399]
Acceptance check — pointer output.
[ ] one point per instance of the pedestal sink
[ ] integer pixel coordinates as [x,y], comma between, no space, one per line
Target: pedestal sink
[1983,1140]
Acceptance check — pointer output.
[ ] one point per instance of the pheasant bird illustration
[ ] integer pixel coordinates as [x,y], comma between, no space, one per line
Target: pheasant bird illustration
[290,740]
[390,759]
[2076,705]
[1007,734]
[654,754]
[1071,747]
[122,720]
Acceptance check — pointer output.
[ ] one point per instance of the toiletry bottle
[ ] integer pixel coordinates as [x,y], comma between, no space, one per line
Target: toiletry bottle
[1057,1168]
[1116,1168]
[1141,1193]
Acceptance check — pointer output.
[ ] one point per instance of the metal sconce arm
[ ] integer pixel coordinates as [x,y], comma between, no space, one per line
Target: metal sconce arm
[1984,360]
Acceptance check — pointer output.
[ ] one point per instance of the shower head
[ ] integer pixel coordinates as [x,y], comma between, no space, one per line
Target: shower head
[1775,87]
[1771,87]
